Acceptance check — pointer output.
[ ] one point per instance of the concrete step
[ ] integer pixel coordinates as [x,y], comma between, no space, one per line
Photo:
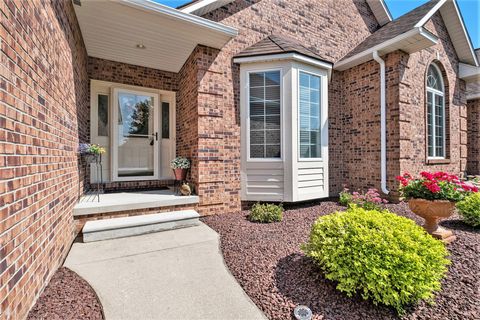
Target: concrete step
[132,226]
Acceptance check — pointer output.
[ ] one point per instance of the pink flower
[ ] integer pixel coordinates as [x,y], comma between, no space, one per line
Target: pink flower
[432,186]
[427,175]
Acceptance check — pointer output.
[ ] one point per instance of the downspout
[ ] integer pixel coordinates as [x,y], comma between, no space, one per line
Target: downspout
[383,124]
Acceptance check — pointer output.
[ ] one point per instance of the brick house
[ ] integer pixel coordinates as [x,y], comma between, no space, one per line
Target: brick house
[271,100]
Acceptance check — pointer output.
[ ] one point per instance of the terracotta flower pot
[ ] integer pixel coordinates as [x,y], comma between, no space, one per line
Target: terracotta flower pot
[433,212]
[180,174]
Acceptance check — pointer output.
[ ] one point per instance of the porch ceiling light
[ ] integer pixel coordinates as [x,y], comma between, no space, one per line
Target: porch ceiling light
[141,46]
[302,313]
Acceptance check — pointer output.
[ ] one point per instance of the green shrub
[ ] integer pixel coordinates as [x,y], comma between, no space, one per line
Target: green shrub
[469,209]
[382,256]
[266,213]
[345,198]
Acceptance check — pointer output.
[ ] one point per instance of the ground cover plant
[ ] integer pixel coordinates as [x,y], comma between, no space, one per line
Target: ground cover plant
[266,213]
[469,209]
[369,200]
[267,262]
[383,257]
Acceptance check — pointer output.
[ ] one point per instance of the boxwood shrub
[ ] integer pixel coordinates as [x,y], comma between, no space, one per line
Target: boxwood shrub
[383,257]
[469,209]
[266,213]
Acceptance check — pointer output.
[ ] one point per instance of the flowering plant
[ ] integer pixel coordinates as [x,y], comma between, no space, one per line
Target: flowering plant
[87,148]
[180,163]
[370,200]
[435,186]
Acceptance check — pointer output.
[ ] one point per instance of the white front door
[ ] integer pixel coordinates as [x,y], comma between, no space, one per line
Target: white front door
[135,136]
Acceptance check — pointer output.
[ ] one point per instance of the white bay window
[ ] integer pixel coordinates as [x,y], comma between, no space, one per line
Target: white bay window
[284,131]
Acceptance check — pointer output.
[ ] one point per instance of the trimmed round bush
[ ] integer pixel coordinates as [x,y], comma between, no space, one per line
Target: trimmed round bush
[383,257]
[469,209]
[266,213]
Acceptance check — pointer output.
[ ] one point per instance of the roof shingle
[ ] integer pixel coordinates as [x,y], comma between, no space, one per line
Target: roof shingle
[275,44]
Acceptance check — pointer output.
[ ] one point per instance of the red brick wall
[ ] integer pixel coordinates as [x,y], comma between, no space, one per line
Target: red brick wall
[413,109]
[354,115]
[43,116]
[331,28]
[112,71]
[473,119]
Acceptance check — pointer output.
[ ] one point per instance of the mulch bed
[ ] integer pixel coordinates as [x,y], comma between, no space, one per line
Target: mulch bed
[67,296]
[268,264]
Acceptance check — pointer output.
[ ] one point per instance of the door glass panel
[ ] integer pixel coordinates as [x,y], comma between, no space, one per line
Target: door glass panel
[165,120]
[135,134]
[102,115]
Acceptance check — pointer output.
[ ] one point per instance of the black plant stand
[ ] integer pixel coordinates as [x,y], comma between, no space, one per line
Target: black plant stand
[95,159]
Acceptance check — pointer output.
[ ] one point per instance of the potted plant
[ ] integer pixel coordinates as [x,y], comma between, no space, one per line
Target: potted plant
[180,166]
[432,196]
[91,152]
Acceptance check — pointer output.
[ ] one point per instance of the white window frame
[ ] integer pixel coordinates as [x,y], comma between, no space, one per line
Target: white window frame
[321,114]
[247,89]
[434,93]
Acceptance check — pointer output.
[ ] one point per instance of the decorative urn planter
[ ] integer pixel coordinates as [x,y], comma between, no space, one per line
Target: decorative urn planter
[433,212]
[180,174]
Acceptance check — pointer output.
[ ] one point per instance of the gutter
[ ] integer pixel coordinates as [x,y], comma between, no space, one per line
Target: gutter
[383,125]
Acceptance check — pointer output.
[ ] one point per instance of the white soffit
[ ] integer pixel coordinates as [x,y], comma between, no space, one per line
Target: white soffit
[112,30]
[380,11]
[412,41]
[458,33]
[202,7]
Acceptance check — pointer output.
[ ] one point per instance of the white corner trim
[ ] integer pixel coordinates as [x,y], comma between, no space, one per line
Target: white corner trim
[468,72]
[430,14]
[473,96]
[379,47]
[383,124]
[151,6]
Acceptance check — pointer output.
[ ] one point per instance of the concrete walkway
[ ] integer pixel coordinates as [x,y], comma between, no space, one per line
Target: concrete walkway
[178,274]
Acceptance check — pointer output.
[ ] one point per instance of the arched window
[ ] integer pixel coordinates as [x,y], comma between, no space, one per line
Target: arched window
[435,113]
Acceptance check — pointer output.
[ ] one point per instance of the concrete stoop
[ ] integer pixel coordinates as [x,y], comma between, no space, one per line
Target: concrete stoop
[136,225]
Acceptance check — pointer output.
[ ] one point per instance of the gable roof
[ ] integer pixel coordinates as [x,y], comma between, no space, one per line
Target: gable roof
[275,44]
[408,34]
[393,29]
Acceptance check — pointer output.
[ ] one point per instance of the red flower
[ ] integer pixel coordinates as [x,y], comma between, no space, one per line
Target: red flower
[427,175]
[432,186]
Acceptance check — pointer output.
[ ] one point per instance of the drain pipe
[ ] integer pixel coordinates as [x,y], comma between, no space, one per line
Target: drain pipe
[383,124]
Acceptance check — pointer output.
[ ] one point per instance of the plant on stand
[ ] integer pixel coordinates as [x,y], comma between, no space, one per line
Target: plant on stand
[91,152]
[180,166]
[432,196]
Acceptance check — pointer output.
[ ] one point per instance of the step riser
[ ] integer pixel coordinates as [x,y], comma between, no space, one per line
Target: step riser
[139,230]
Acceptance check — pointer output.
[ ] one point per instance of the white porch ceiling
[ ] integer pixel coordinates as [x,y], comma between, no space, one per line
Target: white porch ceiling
[112,30]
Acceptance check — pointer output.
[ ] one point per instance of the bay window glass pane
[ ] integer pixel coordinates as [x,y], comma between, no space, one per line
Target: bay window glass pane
[264,111]
[309,114]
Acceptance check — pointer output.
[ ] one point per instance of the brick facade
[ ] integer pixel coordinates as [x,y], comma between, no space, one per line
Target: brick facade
[43,117]
[473,121]
[44,110]
[413,106]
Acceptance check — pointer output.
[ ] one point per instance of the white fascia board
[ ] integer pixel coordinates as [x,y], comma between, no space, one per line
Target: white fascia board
[430,14]
[380,11]
[284,56]
[196,8]
[385,8]
[157,8]
[368,54]
[468,72]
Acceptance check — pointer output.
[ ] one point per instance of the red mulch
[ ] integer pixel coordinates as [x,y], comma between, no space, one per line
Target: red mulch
[267,262]
[67,296]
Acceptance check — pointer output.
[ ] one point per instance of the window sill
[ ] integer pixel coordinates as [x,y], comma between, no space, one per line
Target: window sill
[438,161]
